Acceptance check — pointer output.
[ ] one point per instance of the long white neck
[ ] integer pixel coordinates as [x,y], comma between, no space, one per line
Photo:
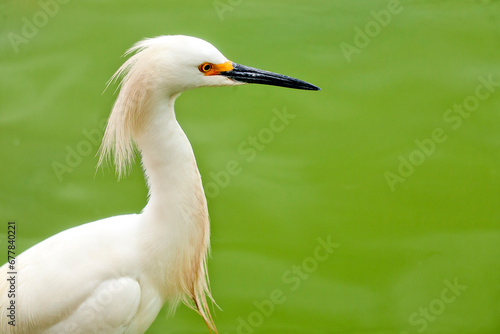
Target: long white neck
[176,216]
[169,163]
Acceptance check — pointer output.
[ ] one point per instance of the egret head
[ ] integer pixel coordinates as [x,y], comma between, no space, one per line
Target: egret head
[159,70]
[177,63]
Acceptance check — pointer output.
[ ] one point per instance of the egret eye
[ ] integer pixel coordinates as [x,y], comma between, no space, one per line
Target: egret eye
[205,67]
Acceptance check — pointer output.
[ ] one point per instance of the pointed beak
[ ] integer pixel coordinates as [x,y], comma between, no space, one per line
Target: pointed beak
[242,73]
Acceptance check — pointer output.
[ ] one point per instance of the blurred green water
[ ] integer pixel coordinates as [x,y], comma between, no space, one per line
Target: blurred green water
[324,175]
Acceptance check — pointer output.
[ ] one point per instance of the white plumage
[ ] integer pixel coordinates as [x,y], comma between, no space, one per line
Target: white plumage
[114,275]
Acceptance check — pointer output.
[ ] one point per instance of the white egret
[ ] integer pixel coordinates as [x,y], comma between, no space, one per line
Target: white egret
[114,275]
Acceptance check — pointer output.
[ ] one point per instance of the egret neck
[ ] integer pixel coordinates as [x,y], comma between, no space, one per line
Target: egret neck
[176,216]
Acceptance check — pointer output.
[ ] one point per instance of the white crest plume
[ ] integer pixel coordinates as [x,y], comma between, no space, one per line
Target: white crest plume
[129,111]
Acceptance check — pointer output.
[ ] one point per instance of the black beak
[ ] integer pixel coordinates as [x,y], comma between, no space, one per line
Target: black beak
[248,74]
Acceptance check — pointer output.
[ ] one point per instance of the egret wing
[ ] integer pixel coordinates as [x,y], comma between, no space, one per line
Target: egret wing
[109,309]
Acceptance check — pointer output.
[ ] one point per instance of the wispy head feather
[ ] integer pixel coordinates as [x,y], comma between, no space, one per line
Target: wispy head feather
[129,110]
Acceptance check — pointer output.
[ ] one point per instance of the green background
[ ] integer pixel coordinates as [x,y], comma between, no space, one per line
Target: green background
[323,175]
